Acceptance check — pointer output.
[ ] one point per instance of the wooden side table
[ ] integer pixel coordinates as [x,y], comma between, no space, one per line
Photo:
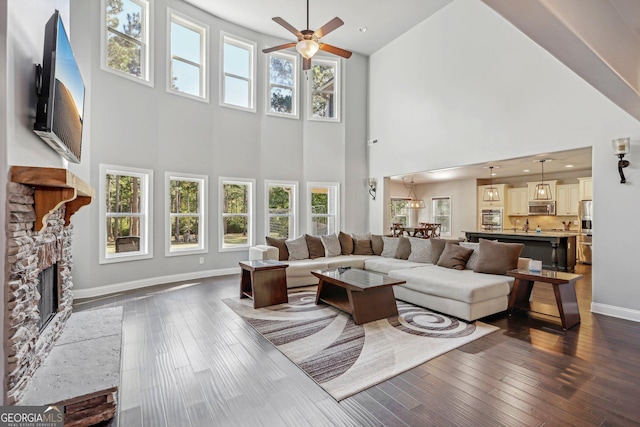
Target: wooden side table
[264,281]
[563,289]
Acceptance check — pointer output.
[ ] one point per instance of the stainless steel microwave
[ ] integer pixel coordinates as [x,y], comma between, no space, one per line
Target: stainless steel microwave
[542,208]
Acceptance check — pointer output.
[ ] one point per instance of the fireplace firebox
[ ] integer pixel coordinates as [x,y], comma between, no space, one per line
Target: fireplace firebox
[48,289]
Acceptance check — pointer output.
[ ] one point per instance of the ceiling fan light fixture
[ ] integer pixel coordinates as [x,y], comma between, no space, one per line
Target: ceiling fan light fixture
[307,48]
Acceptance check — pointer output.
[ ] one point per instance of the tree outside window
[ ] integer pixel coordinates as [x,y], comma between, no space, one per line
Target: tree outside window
[281,220]
[323,87]
[126,37]
[398,213]
[282,75]
[441,208]
[125,212]
[323,206]
[236,205]
[186,218]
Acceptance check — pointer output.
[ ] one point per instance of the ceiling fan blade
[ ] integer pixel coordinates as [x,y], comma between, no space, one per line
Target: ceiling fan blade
[280,47]
[328,27]
[306,64]
[288,26]
[335,50]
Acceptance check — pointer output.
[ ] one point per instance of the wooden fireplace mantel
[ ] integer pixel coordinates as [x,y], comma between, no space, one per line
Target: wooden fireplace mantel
[53,187]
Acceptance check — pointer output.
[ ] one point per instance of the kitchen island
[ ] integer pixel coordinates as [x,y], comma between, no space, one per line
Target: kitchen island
[556,249]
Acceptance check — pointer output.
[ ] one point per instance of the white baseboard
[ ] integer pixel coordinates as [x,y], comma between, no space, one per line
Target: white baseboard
[615,311]
[143,283]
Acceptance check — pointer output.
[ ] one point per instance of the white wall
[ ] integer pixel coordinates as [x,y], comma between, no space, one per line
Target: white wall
[467,88]
[463,195]
[139,126]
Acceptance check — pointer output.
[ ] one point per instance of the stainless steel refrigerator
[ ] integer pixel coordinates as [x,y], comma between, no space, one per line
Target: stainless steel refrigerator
[584,240]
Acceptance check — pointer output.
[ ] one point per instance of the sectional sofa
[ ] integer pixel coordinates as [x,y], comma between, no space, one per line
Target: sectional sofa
[465,280]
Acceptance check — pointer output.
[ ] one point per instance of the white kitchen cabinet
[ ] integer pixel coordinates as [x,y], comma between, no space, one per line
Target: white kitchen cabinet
[501,193]
[586,188]
[518,201]
[532,189]
[568,198]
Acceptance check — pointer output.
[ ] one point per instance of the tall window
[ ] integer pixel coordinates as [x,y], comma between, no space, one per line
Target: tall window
[187,73]
[126,25]
[323,208]
[324,90]
[282,86]
[441,208]
[399,211]
[236,219]
[186,219]
[238,71]
[124,209]
[281,209]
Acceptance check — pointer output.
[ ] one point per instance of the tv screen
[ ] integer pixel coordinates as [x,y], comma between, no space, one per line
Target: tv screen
[59,114]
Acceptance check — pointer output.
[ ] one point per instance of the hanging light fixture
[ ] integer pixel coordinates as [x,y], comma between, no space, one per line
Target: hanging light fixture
[491,193]
[413,203]
[543,191]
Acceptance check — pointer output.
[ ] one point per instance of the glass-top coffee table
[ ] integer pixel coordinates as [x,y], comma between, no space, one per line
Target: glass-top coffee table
[366,295]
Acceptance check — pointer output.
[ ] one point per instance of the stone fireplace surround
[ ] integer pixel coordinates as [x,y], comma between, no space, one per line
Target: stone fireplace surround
[37,237]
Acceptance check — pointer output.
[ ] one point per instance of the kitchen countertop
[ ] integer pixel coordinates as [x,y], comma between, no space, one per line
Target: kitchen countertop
[530,233]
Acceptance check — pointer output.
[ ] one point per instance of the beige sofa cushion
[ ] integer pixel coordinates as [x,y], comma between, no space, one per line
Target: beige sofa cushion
[304,267]
[297,248]
[353,261]
[420,250]
[385,265]
[331,245]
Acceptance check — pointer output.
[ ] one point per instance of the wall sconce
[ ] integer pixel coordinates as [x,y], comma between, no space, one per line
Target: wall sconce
[621,147]
[372,188]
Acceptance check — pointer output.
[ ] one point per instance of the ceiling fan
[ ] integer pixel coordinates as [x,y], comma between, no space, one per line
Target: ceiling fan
[307,44]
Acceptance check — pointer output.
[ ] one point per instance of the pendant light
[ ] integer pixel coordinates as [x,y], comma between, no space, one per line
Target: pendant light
[414,202]
[491,193]
[543,191]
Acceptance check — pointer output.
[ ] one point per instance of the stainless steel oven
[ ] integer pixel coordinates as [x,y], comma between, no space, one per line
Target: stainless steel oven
[491,219]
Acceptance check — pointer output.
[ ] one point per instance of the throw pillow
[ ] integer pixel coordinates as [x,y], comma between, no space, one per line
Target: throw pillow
[362,247]
[377,244]
[331,245]
[473,259]
[420,250]
[454,256]
[437,247]
[298,248]
[365,236]
[346,243]
[404,248]
[497,257]
[390,245]
[283,252]
[316,248]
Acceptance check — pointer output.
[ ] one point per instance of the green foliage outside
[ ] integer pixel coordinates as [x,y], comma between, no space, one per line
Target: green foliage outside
[281,78]
[279,204]
[123,196]
[236,202]
[322,86]
[124,53]
[184,200]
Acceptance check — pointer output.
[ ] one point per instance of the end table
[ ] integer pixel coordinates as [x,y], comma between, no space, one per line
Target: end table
[264,281]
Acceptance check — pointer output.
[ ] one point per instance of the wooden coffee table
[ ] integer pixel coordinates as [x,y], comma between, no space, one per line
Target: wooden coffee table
[563,288]
[366,295]
[264,281]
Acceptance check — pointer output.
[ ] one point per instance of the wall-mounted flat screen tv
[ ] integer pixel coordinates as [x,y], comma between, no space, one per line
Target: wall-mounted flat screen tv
[60,109]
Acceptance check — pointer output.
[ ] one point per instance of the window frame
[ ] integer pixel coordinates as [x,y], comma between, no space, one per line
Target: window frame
[337,91]
[392,217]
[147,47]
[252,47]
[433,213]
[293,208]
[203,213]
[251,182]
[295,88]
[310,215]
[146,214]
[174,16]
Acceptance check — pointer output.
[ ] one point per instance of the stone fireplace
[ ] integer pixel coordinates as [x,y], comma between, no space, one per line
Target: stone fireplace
[39,236]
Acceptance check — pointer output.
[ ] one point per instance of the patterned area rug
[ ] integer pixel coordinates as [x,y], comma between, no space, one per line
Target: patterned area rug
[345,358]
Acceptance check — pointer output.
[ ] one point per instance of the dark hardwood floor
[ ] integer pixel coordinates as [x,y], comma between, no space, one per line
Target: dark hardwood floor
[188,360]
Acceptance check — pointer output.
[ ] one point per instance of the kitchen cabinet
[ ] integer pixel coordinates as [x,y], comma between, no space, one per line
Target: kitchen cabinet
[586,188]
[532,189]
[568,199]
[498,204]
[518,201]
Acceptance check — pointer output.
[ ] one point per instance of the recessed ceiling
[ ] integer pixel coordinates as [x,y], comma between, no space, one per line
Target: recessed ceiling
[385,20]
[579,159]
